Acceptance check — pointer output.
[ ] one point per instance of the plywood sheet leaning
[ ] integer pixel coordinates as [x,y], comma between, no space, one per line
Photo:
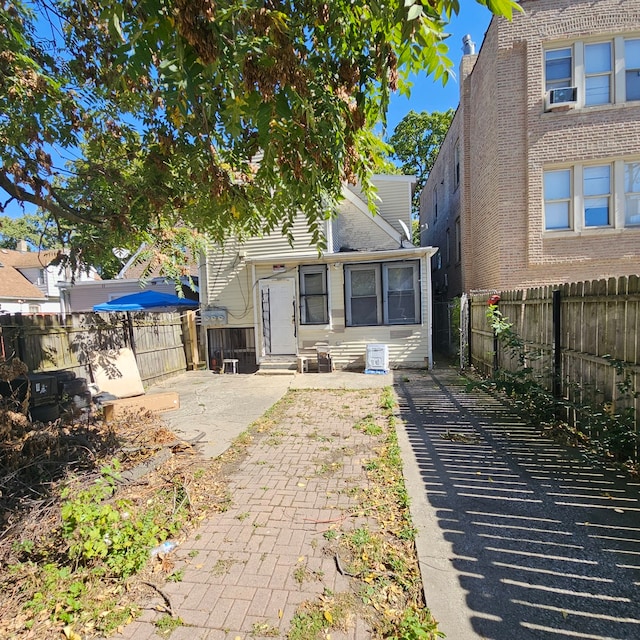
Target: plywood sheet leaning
[116,373]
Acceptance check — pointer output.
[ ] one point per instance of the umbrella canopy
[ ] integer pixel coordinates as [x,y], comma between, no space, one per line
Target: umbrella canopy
[147,301]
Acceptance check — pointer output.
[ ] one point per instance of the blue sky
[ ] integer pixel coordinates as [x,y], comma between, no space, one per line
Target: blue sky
[428,95]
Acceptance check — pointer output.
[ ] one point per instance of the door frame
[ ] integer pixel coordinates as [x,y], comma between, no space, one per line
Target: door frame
[266,285]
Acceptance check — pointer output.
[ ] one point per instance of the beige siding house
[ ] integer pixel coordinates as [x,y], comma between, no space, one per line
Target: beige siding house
[265,302]
[538,180]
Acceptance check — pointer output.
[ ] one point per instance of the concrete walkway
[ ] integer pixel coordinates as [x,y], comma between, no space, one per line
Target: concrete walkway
[519,539]
[215,409]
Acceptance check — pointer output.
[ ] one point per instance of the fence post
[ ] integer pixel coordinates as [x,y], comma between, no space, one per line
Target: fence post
[190,339]
[131,335]
[557,347]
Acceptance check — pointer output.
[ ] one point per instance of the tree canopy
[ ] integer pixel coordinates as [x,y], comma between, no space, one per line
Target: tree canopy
[28,227]
[131,121]
[416,141]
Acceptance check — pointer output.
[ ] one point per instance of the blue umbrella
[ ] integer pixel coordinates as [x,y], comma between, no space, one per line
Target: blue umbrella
[147,301]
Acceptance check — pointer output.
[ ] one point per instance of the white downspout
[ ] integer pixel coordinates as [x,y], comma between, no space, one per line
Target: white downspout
[203,295]
[427,260]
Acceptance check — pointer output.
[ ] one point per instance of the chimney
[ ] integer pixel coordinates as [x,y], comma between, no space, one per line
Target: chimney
[22,246]
[468,45]
[467,61]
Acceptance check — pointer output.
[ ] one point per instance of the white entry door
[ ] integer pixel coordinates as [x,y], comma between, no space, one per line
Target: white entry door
[279,316]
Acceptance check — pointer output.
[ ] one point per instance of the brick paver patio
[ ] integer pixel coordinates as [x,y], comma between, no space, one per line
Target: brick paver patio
[247,570]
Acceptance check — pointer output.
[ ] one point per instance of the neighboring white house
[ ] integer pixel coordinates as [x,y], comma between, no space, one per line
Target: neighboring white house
[29,281]
[264,301]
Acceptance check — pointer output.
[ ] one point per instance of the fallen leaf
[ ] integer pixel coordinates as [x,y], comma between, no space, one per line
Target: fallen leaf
[70,634]
[328,617]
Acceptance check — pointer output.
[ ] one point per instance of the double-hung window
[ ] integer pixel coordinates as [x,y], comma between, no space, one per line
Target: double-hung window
[400,286]
[588,196]
[314,308]
[632,193]
[597,72]
[603,72]
[558,68]
[632,69]
[597,195]
[382,293]
[557,199]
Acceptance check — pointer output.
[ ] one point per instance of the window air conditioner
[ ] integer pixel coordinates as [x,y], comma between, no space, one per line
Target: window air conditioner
[564,98]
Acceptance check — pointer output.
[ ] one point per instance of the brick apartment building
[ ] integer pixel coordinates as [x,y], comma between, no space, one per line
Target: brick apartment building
[538,180]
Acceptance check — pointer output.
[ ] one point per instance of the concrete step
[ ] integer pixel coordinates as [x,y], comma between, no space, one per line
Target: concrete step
[278,366]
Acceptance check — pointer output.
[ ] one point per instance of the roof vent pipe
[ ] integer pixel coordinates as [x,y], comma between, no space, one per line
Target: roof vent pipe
[468,45]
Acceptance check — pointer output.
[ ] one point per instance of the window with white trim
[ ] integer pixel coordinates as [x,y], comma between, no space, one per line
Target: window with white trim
[632,193]
[314,307]
[604,72]
[558,68]
[557,199]
[597,73]
[597,195]
[632,69]
[592,196]
[382,293]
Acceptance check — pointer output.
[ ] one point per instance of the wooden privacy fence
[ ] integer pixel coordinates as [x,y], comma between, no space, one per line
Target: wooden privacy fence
[164,344]
[580,339]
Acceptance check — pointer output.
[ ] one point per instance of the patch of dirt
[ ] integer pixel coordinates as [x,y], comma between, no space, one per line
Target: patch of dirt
[37,460]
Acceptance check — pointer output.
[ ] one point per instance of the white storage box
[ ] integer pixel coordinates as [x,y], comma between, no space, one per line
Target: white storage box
[377,358]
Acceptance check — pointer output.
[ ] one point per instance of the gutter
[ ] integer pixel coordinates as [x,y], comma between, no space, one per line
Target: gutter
[345,257]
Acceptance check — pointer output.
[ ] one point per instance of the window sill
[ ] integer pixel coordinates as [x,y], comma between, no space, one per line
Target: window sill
[395,324]
[586,233]
[583,109]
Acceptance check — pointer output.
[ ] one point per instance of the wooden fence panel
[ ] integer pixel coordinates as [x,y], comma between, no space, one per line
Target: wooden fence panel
[47,343]
[599,325]
[158,345]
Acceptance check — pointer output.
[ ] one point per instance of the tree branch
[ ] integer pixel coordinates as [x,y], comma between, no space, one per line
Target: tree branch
[55,207]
